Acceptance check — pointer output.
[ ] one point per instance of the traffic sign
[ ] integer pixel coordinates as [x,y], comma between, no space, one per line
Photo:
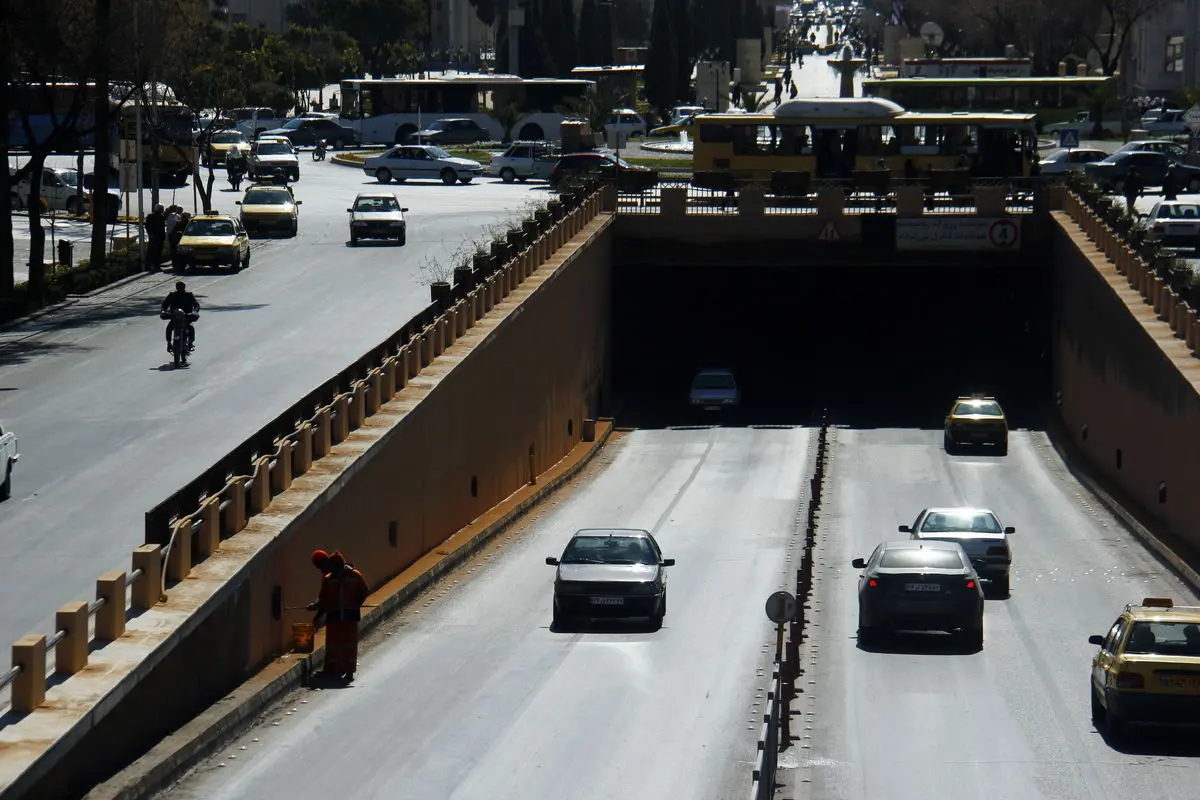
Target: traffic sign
[1068,137]
[1192,117]
[781,607]
[1004,234]
[829,234]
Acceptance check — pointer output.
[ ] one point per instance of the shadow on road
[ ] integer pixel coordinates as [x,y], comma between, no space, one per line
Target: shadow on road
[24,351]
[918,643]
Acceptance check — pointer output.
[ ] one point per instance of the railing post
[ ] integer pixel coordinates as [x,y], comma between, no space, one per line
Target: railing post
[302,452]
[235,512]
[29,687]
[341,419]
[322,441]
[179,560]
[260,490]
[281,474]
[209,538]
[358,406]
[387,386]
[374,391]
[71,652]
[110,617]
[147,587]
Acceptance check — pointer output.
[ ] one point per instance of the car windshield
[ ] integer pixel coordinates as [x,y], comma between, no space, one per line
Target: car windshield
[271,149]
[292,124]
[953,521]
[266,197]
[228,137]
[609,550]
[376,204]
[439,125]
[1164,638]
[70,178]
[209,227]
[920,559]
[1180,211]
[986,408]
[437,152]
[714,380]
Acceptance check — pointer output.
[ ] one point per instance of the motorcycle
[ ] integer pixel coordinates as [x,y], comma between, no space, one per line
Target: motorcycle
[235,178]
[179,330]
[319,150]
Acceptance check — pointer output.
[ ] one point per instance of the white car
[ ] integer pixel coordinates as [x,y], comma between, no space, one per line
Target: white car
[1165,146]
[8,457]
[1062,161]
[267,156]
[626,122]
[1175,223]
[421,162]
[524,160]
[60,188]
[377,215]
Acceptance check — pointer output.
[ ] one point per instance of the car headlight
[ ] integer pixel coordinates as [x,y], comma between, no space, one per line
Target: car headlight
[646,587]
[570,587]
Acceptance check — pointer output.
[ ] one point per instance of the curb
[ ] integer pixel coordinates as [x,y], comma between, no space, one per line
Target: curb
[1077,464]
[185,748]
[73,299]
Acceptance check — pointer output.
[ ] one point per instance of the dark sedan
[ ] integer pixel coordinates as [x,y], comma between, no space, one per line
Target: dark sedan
[918,585]
[304,132]
[610,573]
[451,131]
[606,168]
[1151,166]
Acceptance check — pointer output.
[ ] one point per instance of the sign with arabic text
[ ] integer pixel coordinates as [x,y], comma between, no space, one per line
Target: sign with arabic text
[958,233]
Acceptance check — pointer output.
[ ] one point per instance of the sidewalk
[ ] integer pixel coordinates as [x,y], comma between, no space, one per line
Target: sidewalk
[78,232]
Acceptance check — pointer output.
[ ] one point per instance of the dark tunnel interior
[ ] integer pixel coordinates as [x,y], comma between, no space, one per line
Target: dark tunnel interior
[878,346]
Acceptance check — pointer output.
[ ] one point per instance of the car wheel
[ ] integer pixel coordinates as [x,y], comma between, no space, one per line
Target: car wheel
[14,200]
[1194,185]
[558,619]
[948,443]
[1001,586]
[353,239]
[6,487]
[246,260]
[1097,707]
[507,175]
[1119,185]
[401,240]
[1116,727]
[236,266]
[73,206]
[972,638]
[1003,446]
[449,177]
[656,621]
[465,180]
[383,175]
[867,636]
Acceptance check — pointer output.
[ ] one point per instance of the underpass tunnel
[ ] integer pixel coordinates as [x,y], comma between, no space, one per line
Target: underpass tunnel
[878,344]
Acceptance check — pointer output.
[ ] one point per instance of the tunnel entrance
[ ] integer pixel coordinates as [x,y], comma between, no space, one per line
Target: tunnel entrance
[879,342]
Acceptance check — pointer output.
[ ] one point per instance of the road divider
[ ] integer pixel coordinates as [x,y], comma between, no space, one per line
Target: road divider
[224,556]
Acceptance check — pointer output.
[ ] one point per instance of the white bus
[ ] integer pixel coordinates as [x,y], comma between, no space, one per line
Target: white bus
[389,110]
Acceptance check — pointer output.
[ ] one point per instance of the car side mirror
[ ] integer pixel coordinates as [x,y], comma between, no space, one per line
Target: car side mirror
[668,562]
[1010,529]
[858,563]
[349,210]
[299,202]
[237,202]
[404,210]
[905,529]
[552,561]
[1096,639]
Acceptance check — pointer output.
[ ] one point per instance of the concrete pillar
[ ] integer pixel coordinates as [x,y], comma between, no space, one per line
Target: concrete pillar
[341,420]
[179,560]
[471,311]
[281,471]
[374,391]
[831,202]
[71,652]
[991,201]
[439,336]
[208,538]
[673,204]
[588,430]
[387,383]
[260,487]
[302,457]
[412,357]
[752,202]
[323,438]
[358,406]
[451,326]
[29,687]
[147,587]
[235,512]
[910,201]
[110,617]
[1193,331]
[428,344]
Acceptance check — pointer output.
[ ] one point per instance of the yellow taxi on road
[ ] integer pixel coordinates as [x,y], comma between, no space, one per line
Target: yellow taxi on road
[1147,669]
[212,240]
[220,145]
[270,209]
[976,419]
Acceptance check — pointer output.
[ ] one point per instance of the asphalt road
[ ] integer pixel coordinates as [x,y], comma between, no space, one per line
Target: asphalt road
[919,720]
[107,429]
[471,695]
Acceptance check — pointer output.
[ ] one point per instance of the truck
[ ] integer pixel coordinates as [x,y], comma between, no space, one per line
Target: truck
[525,160]
[9,456]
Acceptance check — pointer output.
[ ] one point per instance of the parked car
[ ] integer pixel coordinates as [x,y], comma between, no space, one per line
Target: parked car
[1166,146]
[267,156]
[981,535]
[610,572]
[1061,162]
[627,122]
[305,131]
[377,215]
[273,209]
[450,131]
[524,160]
[60,189]
[1168,123]
[9,457]
[605,167]
[1174,223]
[1110,173]
[421,162]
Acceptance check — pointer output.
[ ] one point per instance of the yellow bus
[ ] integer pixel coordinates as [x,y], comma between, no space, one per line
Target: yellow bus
[841,138]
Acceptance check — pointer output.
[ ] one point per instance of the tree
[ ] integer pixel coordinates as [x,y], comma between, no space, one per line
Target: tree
[662,61]
[589,35]
[554,30]
[567,48]
[685,47]
[596,106]
[1110,37]
[486,10]
[381,28]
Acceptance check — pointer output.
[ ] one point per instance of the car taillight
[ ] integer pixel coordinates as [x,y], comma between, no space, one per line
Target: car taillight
[872,582]
[1130,680]
[970,584]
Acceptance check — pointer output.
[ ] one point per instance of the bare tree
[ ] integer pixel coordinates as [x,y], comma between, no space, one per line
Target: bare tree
[1108,34]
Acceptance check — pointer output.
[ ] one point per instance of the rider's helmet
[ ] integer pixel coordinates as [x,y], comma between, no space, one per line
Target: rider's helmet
[179,286]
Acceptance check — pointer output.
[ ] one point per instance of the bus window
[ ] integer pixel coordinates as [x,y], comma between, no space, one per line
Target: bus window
[716,134]
[746,140]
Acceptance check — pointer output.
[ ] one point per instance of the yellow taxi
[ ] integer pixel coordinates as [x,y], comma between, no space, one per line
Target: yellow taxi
[270,209]
[976,419]
[221,143]
[676,127]
[212,240]
[1147,669]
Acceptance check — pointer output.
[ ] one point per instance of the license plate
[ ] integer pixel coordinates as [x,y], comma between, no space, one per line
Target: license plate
[204,256]
[978,435]
[922,587]
[1189,682]
[608,601]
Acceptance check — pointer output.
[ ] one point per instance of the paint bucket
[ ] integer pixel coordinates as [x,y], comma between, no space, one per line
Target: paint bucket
[302,637]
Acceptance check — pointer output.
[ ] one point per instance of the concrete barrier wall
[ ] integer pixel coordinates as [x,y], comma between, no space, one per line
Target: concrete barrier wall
[1126,373]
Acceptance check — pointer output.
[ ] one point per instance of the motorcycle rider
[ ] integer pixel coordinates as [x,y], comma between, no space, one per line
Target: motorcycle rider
[186,302]
[236,164]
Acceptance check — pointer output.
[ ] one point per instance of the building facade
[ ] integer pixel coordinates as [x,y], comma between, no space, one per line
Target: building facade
[1164,50]
[268,14]
[455,27]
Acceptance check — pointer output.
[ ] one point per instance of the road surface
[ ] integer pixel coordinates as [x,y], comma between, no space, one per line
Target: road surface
[107,430]
[472,696]
[918,720]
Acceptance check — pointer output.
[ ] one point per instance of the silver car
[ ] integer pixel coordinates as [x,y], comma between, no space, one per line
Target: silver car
[268,156]
[421,162]
[610,572]
[979,532]
[713,390]
[377,215]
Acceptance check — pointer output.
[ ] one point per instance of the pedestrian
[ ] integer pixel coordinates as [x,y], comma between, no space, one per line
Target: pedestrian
[343,592]
[156,232]
[173,216]
[177,231]
[794,91]
[1133,189]
[1171,183]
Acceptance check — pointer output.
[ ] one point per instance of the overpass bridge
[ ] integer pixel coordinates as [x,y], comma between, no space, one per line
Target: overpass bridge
[498,392]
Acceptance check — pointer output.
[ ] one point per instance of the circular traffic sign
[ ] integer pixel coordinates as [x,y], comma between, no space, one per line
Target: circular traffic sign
[1003,233]
[781,607]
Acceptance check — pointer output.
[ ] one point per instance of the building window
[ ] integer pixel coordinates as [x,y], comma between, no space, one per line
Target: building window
[1175,53]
